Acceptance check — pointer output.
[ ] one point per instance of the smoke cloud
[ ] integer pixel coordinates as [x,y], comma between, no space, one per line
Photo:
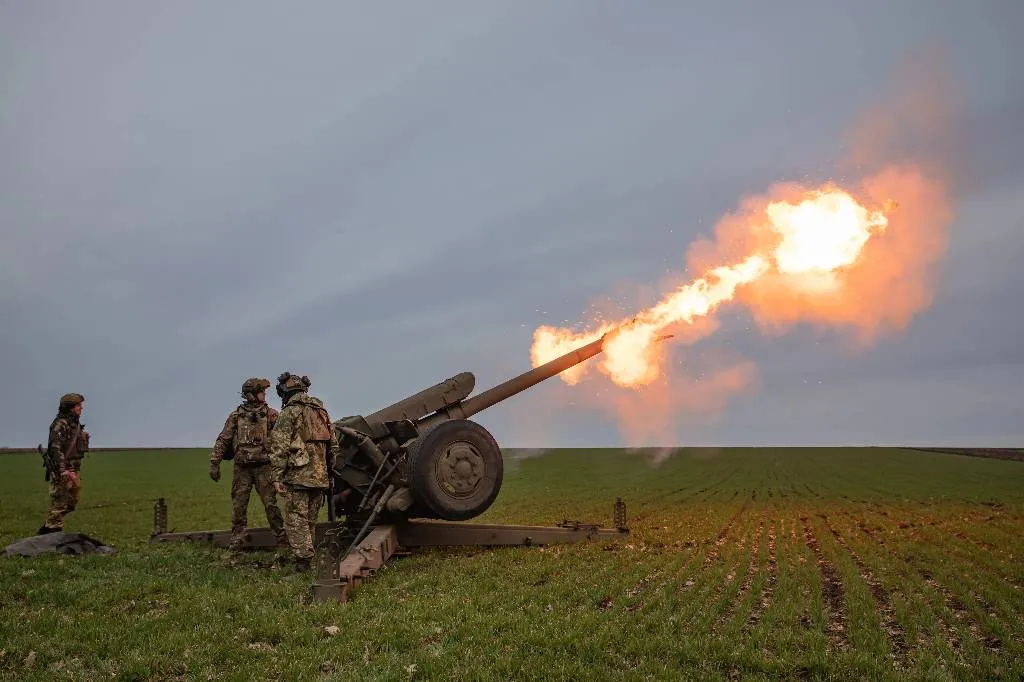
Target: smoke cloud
[900,151]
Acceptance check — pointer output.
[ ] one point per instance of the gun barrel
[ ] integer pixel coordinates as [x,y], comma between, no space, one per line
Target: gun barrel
[531,378]
[518,384]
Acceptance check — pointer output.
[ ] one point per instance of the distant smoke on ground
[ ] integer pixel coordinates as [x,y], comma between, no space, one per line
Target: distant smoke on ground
[514,457]
[524,453]
[657,455]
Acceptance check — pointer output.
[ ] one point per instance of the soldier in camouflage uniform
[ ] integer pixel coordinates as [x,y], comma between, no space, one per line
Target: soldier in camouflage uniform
[245,437]
[302,449]
[67,445]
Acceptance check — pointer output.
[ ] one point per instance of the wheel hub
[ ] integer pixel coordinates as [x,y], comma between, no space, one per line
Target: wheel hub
[460,469]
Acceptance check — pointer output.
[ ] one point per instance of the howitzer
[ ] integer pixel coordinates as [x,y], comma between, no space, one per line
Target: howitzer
[423,457]
[419,459]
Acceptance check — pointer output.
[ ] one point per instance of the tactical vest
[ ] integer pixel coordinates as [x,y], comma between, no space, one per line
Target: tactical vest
[252,428]
[81,447]
[316,425]
[307,453]
[73,454]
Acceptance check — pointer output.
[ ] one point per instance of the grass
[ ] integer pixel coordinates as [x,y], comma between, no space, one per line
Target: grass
[742,563]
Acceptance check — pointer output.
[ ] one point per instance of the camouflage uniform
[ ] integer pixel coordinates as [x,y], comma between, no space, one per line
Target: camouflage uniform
[67,456]
[302,449]
[245,436]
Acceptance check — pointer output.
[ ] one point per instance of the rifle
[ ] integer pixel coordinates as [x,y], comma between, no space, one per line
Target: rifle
[46,461]
[53,468]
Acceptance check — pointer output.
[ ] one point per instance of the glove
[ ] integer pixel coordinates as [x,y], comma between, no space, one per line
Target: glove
[215,471]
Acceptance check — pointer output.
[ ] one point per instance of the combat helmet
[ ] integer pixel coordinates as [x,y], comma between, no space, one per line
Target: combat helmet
[69,400]
[253,386]
[289,383]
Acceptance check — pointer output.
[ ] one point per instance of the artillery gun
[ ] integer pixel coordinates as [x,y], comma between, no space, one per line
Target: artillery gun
[423,457]
[406,471]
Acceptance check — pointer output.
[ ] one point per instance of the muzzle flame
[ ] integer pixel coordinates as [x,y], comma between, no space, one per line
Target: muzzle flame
[808,241]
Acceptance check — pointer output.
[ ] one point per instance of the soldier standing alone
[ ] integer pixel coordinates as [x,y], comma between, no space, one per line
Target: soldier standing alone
[303,447]
[246,439]
[67,445]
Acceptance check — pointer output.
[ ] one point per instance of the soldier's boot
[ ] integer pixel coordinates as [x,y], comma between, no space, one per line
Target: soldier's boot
[238,524]
[301,565]
[44,529]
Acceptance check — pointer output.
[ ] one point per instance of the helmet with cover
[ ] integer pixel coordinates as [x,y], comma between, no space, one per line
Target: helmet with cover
[252,387]
[289,383]
[69,400]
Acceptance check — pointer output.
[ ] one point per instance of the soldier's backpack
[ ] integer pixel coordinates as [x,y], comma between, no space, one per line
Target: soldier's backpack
[318,423]
[252,429]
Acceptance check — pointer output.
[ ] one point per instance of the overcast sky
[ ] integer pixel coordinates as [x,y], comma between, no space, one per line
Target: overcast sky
[381,195]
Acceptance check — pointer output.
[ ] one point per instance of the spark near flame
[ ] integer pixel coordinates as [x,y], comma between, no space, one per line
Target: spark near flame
[810,241]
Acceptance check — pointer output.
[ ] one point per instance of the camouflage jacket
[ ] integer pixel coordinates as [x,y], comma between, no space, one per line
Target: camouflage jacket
[62,428]
[303,445]
[246,432]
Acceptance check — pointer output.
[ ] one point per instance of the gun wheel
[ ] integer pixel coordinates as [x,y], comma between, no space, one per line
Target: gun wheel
[456,469]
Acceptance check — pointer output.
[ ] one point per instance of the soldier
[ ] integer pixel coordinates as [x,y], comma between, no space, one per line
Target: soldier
[65,449]
[302,449]
[245,438]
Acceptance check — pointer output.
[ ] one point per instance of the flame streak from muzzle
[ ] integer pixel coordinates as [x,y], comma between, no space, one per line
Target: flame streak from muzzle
[808,243]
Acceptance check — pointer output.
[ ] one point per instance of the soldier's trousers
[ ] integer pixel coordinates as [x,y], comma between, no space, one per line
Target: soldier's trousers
[247,477]
[63,499]
[301,509]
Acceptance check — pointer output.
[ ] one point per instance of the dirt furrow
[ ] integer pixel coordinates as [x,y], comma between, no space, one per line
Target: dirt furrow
[989,561]
[658,502]
[768,591]
[677,578]
[960,613]
[715,487]
[748,579]
[832,593]
[722,535]
[988,639]
[883,602]
[674,580]
[639,588]
[867,531]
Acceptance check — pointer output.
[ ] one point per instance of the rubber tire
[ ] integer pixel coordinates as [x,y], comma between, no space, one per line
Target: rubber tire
[423,456]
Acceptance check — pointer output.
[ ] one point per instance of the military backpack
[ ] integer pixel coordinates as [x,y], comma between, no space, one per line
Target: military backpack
[249,443]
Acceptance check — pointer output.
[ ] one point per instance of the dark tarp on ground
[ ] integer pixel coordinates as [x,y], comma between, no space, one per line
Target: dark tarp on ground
[59,543]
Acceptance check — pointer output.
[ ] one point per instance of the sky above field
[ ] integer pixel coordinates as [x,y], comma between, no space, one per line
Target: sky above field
[382,195]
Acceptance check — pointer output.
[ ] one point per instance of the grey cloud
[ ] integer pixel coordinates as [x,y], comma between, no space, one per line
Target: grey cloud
[382,197]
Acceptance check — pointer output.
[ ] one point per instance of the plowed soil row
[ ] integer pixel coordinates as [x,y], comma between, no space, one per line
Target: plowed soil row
[720,539]
[883,601]
[769,587]
[960,613]
[831,591]
[954,605]
[752,568]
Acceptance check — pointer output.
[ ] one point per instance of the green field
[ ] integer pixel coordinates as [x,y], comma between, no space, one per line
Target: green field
[758,563]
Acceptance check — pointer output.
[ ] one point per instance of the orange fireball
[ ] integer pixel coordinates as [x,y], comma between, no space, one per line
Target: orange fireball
[809,240]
